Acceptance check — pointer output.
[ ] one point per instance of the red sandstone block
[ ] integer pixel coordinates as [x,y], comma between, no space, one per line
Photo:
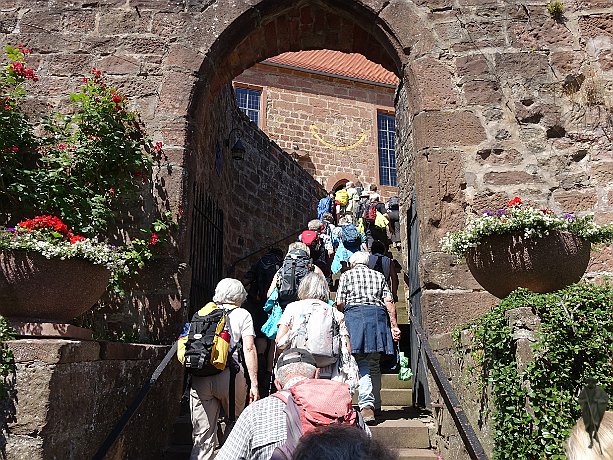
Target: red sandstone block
[445,129]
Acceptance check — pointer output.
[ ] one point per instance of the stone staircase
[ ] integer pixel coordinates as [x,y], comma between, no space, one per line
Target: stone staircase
[400,427]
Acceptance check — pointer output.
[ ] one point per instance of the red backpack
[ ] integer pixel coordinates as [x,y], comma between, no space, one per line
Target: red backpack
[308,237]
[312,403]
[370,212]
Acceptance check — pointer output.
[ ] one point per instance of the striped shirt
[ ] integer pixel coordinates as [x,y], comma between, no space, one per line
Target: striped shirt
[260,429]
[363,286]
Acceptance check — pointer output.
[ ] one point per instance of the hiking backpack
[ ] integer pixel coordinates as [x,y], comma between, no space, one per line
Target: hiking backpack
[319,333]
[201,348]
[311,403]
[296,265]
[325,205]
[393,204]
[350,235]
[370,212]
[342,197]
[265,271]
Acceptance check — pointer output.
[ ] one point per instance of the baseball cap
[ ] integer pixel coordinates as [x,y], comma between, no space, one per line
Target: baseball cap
[295,355]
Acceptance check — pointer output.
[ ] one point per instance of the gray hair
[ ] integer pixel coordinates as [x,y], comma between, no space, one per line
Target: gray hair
[314,286]
[285,373]
[314,225]
[230,290]
[359,258]
[299,245]
[345,220]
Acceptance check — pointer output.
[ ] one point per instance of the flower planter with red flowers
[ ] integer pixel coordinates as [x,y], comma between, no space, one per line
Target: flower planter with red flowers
[523,246]
[49,274]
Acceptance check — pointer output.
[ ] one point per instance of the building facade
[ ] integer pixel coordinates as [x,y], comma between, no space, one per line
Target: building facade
[332,111]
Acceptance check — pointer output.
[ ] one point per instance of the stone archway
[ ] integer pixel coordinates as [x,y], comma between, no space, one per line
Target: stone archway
[339,180]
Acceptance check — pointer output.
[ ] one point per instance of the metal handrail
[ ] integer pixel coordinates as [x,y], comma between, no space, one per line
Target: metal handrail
[251,254]
[132,408]
[467,433]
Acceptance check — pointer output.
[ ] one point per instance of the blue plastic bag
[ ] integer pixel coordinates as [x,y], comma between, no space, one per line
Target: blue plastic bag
[270,326]
[272,300]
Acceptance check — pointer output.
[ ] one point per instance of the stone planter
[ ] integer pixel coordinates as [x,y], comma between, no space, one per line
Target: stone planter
[503,263]
[36,289]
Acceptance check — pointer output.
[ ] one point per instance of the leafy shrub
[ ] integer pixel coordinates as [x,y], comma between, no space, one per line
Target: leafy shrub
[535,408]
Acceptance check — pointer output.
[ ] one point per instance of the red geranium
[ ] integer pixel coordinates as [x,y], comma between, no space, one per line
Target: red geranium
[153,240]
[76,238]
[45,223]
[514,202]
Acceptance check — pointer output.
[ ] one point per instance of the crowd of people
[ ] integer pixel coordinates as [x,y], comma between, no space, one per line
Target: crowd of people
[288,394]
[318,339]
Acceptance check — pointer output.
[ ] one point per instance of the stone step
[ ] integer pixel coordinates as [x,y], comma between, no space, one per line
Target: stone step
[416,454]
[182,431]
[392,397]
[391,381]
[177,453]
[402,434]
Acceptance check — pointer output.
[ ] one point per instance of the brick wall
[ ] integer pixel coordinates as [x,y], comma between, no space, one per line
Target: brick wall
[315,117]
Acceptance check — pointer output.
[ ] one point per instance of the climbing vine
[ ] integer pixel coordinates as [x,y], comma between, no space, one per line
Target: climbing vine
[7,364]
[535,408]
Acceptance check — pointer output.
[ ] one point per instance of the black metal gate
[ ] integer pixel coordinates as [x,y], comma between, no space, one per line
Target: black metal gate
[206,257]
[421,394]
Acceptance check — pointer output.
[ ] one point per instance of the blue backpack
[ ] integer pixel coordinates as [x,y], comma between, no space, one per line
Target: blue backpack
[350,235]
[325,205]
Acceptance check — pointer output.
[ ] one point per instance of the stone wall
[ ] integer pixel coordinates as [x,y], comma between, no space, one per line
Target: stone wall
[70,395]
[497,99]
[461,364]
[343,111]
[266,197]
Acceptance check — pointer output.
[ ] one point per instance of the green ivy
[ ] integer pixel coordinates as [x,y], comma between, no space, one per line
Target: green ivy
[7,363]
[535,410]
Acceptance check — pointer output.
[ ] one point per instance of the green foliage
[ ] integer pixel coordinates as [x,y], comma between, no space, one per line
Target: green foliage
[7,364]
[535,409]
[85,165]
[556,10]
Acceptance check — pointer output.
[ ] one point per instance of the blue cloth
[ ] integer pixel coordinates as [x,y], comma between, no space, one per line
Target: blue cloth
[343,254]
[369,329]
[369,387]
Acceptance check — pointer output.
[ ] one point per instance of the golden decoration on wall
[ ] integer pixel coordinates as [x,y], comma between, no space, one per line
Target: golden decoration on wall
[314,131]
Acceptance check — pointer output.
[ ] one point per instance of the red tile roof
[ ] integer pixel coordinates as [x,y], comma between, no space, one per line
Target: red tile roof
[352,65]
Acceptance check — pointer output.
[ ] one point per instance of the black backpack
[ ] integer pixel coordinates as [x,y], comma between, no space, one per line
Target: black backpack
[199,343]
[379,265]
[265,271]
[296,265]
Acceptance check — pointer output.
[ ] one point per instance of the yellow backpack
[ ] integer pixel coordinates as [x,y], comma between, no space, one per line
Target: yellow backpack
[342,197]
[204,345]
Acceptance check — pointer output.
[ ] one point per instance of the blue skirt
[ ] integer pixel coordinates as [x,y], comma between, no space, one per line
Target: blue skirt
[369,329]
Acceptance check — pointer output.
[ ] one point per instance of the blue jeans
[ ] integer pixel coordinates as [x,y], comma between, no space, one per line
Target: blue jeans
[369,389]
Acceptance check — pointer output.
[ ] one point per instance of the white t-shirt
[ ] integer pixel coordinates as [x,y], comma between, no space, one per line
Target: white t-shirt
[240,324]
[294,313]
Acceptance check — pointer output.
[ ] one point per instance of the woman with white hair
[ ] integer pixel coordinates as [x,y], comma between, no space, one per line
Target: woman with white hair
[313,293]
[209,394]
[370,316]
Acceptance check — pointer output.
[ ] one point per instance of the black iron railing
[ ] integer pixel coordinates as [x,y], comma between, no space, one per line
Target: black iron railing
[232,268]
[465,429]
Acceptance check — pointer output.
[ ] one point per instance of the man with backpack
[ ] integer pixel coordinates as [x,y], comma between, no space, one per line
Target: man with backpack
[326,204]
[320,245]
[372,231]
[295,265]
[259,278]
[271,427]
[210,350]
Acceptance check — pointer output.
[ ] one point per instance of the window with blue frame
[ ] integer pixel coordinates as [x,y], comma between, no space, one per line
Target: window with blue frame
[248,100]
[386,129]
